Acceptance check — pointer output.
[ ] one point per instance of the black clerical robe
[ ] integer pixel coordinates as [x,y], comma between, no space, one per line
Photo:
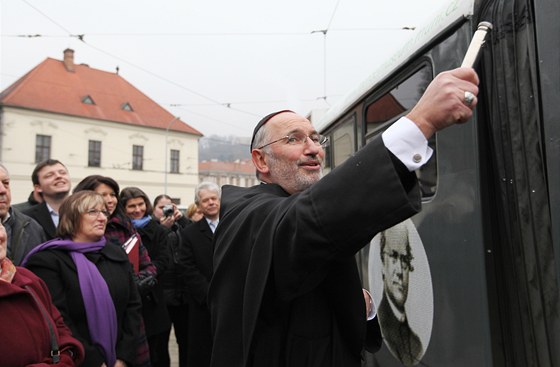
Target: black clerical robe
[403,342]
[285,289]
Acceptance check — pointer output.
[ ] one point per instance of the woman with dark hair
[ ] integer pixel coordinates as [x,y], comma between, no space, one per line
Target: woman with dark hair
[119,227]
[118,231]
[138,208]
[91,283]
[35,331]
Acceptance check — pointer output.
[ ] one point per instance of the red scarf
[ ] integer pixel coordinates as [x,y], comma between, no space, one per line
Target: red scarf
[7,270]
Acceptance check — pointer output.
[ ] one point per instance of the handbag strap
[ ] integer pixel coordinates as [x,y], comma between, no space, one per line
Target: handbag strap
[55,352]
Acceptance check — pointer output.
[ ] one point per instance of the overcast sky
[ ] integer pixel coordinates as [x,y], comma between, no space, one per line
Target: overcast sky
[218,64]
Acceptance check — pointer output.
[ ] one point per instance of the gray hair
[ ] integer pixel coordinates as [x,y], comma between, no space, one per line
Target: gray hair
[4,168]
[206,185]
[261,137]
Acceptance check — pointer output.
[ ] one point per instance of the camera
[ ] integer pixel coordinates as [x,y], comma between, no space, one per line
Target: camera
[167,210]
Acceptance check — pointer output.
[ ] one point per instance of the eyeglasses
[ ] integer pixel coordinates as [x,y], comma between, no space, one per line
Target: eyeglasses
[94,213]
[299,138]
[405,260]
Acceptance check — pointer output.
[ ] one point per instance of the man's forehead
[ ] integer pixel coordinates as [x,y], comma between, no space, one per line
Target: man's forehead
[207,193]
[397,246]
[54,167]
[289,121]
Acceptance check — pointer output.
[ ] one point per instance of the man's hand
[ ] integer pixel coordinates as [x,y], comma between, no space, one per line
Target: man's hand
[167,222]
[443,103]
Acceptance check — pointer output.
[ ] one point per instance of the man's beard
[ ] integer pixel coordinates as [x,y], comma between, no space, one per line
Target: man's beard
[289,176]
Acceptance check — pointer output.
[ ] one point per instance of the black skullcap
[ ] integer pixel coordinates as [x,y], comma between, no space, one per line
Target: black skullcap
[263,121]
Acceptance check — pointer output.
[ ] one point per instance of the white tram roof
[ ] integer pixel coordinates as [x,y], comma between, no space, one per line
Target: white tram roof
[450,12]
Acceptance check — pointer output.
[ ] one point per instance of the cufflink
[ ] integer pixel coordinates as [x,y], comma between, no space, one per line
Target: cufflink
[417,158]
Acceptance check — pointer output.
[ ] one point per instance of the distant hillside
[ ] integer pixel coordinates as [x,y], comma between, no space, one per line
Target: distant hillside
[223,148]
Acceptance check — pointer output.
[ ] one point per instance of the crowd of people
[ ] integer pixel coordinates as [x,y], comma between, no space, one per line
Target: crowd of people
[264,277]
[104,269]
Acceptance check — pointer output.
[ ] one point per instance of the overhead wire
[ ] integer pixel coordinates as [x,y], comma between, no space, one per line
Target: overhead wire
[324,32]
[81,37]
[213,101]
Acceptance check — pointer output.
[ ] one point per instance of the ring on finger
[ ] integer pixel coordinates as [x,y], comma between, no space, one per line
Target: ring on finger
[469,98]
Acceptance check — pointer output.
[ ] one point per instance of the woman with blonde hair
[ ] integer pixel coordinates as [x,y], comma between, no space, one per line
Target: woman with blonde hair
[91,283]
[194,213]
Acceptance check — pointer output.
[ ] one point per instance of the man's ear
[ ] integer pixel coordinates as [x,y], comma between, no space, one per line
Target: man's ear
[37,188]
[259,161]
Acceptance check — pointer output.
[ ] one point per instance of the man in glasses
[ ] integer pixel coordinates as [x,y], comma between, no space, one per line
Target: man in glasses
[396,257]
[285,289]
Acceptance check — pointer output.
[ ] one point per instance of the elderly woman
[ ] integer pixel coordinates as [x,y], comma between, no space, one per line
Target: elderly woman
[91,283]
[138,208]
[31,321]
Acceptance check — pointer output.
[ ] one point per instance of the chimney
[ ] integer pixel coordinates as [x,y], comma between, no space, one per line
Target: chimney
[69,59]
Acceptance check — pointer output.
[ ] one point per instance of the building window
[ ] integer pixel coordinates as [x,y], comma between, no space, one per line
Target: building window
[42,148]
[137,157]
[127,107]
[94,153]
[88,100]
[174,161]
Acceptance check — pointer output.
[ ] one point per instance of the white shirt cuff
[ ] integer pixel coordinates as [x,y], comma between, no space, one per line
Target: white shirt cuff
[405,140]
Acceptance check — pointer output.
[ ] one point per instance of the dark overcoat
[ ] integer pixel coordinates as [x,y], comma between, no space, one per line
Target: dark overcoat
[154,307]
[286,289]
[40,213]
[197,258]
[58,270]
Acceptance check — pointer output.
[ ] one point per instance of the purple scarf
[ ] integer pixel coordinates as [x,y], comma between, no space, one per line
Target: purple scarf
[100,310]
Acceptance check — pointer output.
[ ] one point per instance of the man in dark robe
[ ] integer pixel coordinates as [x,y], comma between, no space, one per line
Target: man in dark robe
[285,289]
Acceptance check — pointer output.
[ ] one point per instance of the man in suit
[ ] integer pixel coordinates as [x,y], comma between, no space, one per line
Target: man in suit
[285,287]
[198,252]
[50,178]
[396,257]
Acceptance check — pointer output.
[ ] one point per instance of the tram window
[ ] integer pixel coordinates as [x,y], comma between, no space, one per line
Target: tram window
[383,111]
[343,143]
[398,101]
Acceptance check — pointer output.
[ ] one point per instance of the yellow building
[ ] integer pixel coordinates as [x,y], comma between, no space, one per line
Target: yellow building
[94,122]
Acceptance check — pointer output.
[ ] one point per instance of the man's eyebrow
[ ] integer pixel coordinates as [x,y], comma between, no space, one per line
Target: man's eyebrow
[298,130]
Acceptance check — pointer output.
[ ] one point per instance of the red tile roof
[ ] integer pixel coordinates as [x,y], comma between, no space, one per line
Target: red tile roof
[51,87]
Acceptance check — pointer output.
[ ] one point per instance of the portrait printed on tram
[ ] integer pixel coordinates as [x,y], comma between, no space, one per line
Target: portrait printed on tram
[396,310]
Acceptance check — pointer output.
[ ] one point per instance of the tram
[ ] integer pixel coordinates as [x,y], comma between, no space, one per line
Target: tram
[484,265]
